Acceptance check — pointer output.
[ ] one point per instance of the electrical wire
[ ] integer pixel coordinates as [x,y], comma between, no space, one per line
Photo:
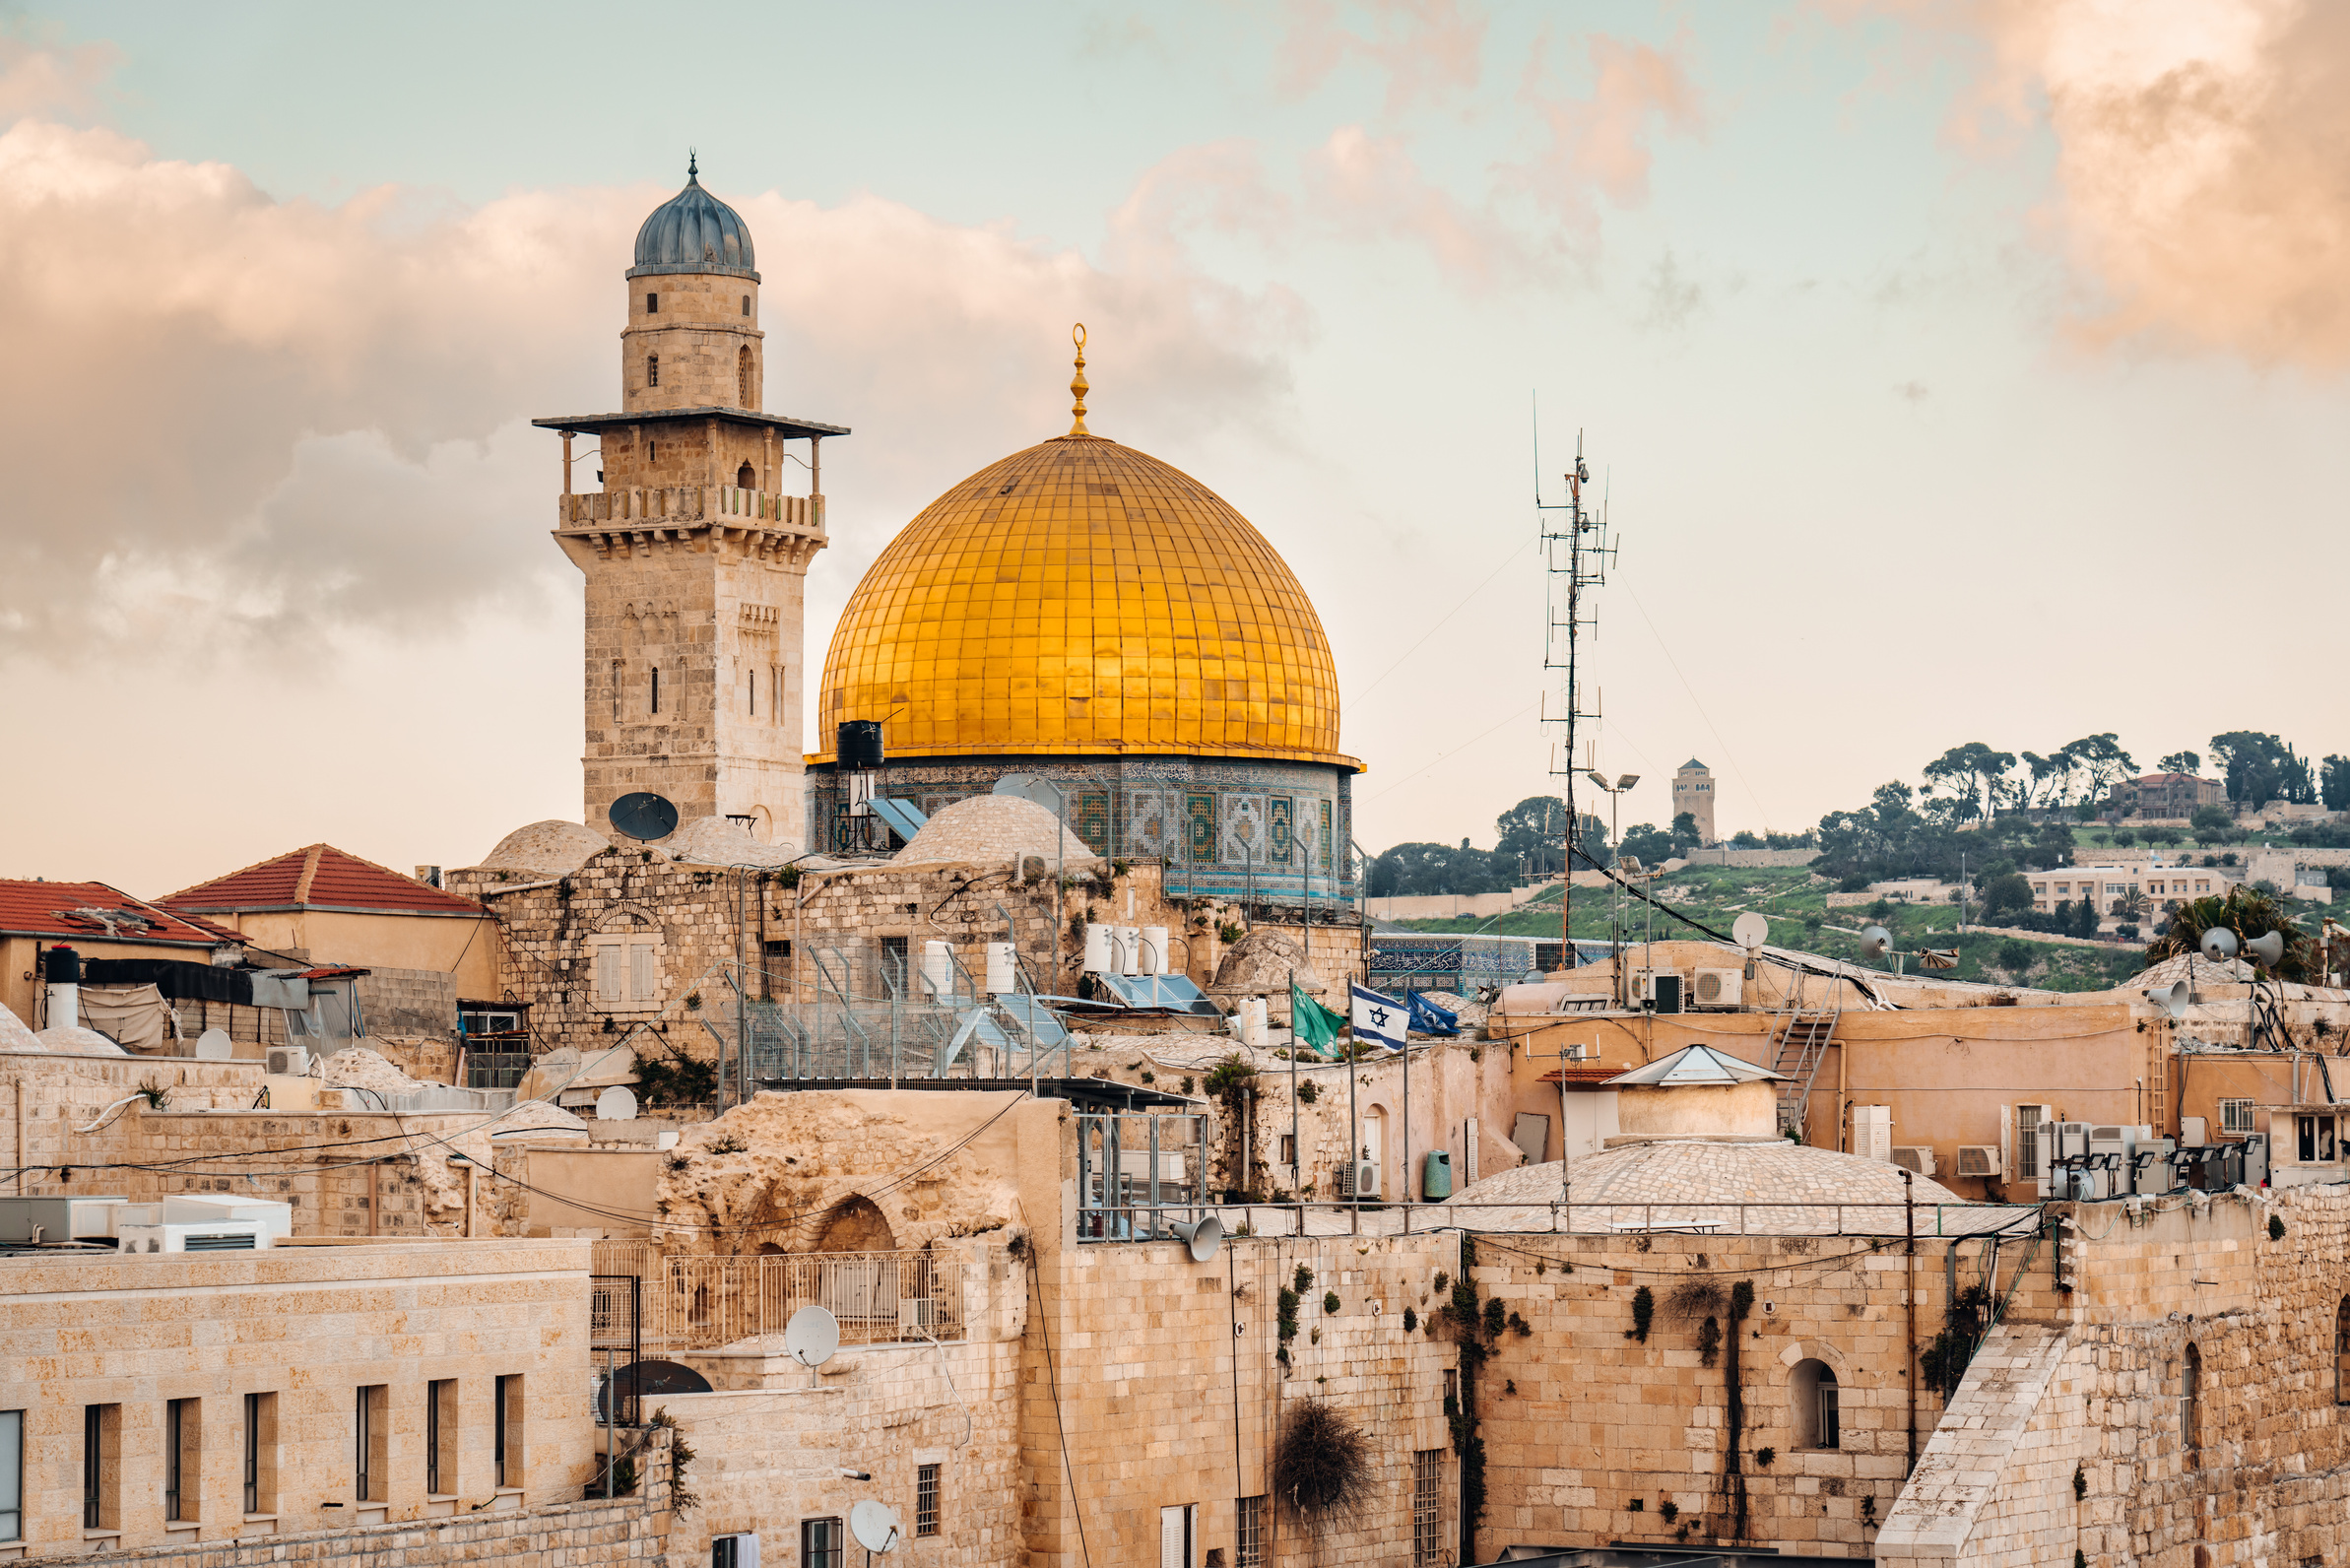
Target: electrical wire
[1053,1381]
[1454,752]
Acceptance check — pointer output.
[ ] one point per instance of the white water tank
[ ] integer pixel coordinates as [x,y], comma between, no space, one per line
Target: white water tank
[1259,1022]
[1097,948]
[1154,949]
[999,969]
[1130,950]
[938,969]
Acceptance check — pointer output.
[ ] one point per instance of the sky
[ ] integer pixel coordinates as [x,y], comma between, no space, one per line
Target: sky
[1949,371]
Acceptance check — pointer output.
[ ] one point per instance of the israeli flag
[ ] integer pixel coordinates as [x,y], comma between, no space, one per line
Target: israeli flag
[1380,1017]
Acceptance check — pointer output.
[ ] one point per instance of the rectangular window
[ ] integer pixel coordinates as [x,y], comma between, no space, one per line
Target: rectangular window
[183,1469]
[12,1475]
[261,1454]
[1249,1549]
[2235,1116]
[652,369]
[2029,1166]
[371,1432]
[652,303]
[441,1437]
[1427,1508]
[750,679]
[1289,1148]
[507,1440]
[626,971]
[821,1543]
[101,1467]
[926,1500]
[1175,1536]
[735,1551]
[655,671]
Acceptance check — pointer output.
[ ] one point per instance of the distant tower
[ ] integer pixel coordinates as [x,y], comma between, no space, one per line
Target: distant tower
[1693,792]
[695,560]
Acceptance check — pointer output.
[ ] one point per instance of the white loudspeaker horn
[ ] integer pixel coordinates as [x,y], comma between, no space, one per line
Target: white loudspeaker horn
[2266,950]
[2172,999]
[1874,940]
[1203,1236]
[2219,944]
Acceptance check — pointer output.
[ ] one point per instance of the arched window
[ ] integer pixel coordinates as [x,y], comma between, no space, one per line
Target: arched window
[2342,1353]
[1811,1396]
[746,304]
[2191,1414]
[745,478]
[652,369]
[655,671]
[743,377]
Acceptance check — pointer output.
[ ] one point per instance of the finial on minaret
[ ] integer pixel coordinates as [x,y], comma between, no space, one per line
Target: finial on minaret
[692,168]
[1078,387]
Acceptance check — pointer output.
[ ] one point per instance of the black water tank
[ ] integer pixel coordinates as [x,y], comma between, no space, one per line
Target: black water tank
[62,966]
[858,744]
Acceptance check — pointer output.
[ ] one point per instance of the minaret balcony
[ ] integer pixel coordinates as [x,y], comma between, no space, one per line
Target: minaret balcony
[758,522]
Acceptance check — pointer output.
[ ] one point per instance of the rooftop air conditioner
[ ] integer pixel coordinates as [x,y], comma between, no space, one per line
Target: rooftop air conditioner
[1719,988]
[1358,1180]
[1978,1159]
[1657,989]
[218,1235]
[1916,1158]
[287,1061]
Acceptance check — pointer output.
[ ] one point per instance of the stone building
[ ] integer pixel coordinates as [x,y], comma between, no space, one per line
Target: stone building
[1693,793]
[1085,612]
[696,559]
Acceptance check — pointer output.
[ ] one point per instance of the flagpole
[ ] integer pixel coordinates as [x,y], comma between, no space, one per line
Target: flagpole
[1354,1148]
[1297,1150]
[1407,1108]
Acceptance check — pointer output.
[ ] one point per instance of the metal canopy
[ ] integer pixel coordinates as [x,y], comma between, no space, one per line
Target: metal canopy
[782,424]
[1086,1093]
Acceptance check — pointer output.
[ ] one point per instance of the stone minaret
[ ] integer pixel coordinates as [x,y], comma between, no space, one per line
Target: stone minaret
[696,560]
[1693,792]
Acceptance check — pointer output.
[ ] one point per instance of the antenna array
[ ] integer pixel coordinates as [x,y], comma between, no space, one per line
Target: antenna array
[1577,551]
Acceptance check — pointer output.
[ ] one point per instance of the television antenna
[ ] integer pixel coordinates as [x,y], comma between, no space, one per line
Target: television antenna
[643,816]
[1576,553]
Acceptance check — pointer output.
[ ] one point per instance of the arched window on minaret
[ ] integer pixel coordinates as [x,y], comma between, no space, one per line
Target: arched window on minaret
[652,369]
[743,378]
[745,477]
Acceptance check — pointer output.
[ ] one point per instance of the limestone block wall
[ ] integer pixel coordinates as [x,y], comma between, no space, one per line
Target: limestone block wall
[409,1001]
[308,1327]
[1150,1381]
[698,323]
[1602,1420]
[2254,1469]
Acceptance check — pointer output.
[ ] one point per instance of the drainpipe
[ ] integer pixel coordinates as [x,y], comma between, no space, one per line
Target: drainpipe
[1909,1199]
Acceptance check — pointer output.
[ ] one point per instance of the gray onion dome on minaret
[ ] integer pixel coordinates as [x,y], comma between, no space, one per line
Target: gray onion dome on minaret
[694,231]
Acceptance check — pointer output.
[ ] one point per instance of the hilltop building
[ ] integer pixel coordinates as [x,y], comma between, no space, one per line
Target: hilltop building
[2171,796]
[1693,792]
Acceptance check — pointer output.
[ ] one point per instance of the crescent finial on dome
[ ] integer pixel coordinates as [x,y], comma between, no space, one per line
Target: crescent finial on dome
[1078,387]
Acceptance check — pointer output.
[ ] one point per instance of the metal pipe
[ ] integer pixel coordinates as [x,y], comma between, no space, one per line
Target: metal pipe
[1908,1203]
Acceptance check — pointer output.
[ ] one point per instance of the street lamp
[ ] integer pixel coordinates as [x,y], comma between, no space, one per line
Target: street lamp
[1615,903]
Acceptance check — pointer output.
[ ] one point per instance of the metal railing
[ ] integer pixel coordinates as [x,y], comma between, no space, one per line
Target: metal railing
[1139,1174]
[1145,1222]
[878,1297]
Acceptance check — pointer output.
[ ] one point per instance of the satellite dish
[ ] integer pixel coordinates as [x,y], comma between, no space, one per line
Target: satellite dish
[1013,784]
[1875,940]
[2266,950]
[875,1525]
[1203,1236]
[2219,944]
[2172,999]
[1751,929]
[811,1337]
[643,816]
[616,1104]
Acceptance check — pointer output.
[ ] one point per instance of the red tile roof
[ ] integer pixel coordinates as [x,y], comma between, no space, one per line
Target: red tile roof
[57,909]
[320,877]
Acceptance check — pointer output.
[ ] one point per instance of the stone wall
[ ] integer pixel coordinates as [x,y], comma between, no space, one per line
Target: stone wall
[409,1001]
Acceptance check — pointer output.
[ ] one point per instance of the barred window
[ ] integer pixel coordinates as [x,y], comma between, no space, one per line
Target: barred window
[652,369]
[1250,1546]
[2235,1116]
[1427,1508]
[926,1500]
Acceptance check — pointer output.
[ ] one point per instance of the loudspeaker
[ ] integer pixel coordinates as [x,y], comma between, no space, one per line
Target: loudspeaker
[1203,1236]
[2219,944]
[2266,950]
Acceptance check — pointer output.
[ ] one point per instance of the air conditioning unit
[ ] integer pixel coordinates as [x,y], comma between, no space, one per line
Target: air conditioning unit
[1660,990]
[287,1061]
[1916,1158]
[918,1312]
[1360,1179]
[1719,988]
[220,1235]
[1978,1159]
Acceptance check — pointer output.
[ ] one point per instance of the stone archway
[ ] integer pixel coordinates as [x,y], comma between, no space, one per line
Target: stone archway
[856,1225]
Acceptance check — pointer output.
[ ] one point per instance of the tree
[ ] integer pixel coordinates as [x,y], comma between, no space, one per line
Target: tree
[2260,768]
[1535,827]
[2102,758]
[1648,844]
[2209,821]
[1684,833]
[2247,912]
[2006,896]
[2050,777]
[2188,762]
[2334,783]
[1417,870]
[1972,772]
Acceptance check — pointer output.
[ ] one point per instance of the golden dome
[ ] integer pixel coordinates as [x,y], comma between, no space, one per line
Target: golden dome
[1080,597]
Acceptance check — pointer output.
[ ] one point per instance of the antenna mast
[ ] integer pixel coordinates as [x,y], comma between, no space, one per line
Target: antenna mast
[1576,553]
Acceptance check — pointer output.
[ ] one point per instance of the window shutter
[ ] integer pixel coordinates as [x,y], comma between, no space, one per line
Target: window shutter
[608,972]
[1170,1538]
[2007,1143]
[1469,1153]
[642,976]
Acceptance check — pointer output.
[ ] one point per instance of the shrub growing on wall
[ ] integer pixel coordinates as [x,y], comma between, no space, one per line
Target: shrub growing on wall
[1322,1465]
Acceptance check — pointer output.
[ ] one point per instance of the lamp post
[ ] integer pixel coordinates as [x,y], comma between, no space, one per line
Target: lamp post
[1615,903]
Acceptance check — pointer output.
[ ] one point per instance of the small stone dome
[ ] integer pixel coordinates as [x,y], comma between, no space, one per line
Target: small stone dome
[1765,1186]
[1262,962]
[13,1037]
[694,231]
[723,841]
[545,849]
[988,830]
[71,1039]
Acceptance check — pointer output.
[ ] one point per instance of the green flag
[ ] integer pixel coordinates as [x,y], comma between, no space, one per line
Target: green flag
[1311,1023]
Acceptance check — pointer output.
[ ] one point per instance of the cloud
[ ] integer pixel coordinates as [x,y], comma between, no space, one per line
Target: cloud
[1597,144]
[1368,186]
[2200,146]
[232,421]
[1428,49]
[40,79]
[1674,296]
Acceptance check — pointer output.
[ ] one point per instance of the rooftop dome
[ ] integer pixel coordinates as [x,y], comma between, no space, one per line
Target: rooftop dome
[1081,598]
[550,848]
[1765,1186]
[723,841]
[987,829]
[694,231]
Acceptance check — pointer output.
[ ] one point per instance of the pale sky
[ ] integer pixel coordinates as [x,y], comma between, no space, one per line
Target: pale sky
[1956,371]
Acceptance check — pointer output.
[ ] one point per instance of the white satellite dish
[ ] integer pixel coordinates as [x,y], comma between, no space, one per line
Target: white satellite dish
[1751,930]
[1875,940]
[875,1525]
[213,1045]
[2172,999]
[2219,944]
[811,1337]
[617,1104]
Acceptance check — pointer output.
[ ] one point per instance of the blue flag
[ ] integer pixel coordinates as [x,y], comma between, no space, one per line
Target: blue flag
[1429,1019]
